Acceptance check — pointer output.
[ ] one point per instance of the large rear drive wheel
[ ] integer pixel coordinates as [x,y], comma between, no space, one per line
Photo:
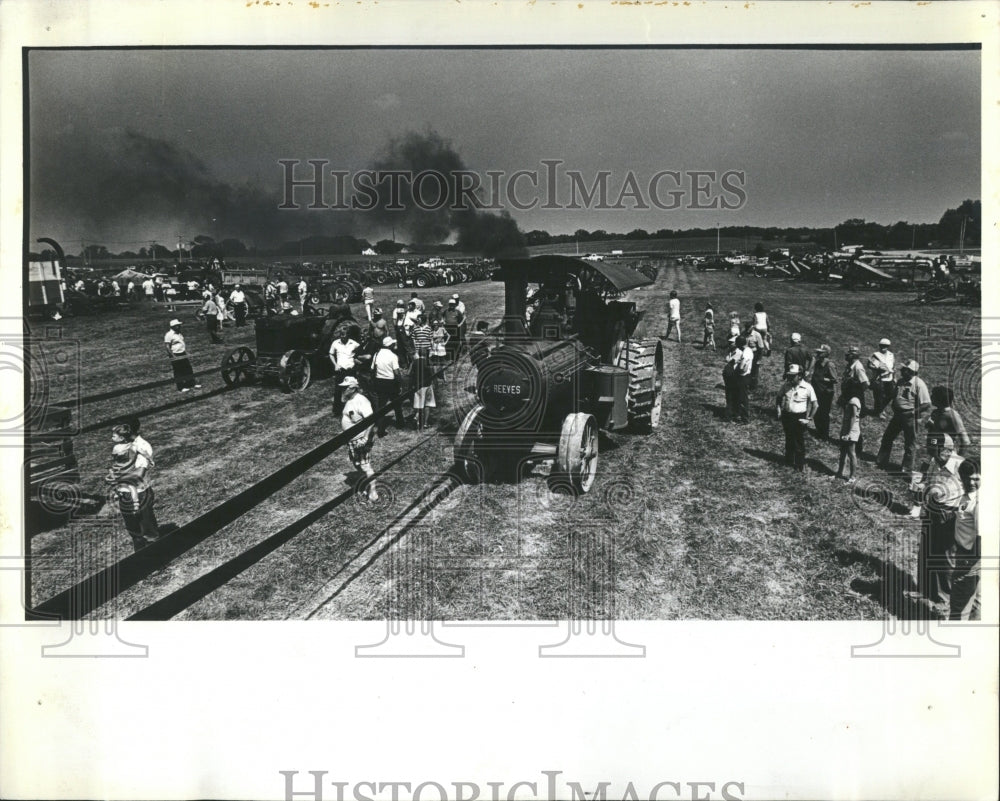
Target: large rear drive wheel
[643,358]
[576,457]
[469,453]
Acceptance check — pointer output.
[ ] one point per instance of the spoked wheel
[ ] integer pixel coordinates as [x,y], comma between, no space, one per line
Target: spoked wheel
[294,371]
[238,366]
[643,359]
[576,457]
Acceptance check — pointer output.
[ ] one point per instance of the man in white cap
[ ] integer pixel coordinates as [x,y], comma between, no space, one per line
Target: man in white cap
[796,406]
[910,408]
[458,303]
[453,320]
[388,383]
[798,354]
[882,363]
[357,408]
[239,300]
[177,351]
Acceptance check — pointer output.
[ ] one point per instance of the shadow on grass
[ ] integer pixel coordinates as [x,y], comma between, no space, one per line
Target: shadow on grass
[186,399]
[891,587]
[718,412]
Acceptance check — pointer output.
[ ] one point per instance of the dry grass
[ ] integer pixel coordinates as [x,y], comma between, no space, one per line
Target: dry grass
[699,520]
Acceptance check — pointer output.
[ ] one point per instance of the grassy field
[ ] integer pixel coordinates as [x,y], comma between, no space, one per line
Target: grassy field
[698,520]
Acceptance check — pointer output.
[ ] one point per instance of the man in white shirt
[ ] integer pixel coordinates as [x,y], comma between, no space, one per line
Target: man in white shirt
[417,302]
[459,304]
[674,313]
[796,405]
[282,291]
[210,312]
[147,287]
[357,408]
[368,297]
[239,300]
[882,363]
[303,293]
[387,376]
[342,355]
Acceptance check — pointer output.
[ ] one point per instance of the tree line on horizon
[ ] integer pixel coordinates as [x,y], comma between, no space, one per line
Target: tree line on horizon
[947,232]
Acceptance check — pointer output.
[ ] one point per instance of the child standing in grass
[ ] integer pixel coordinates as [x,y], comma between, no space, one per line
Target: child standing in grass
[850,433]
[709,337]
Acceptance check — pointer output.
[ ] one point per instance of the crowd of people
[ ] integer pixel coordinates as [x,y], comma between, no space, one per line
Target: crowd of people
[943,489]
[402,355]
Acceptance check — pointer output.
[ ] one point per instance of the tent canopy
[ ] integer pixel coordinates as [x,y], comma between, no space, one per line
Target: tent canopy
[128,274]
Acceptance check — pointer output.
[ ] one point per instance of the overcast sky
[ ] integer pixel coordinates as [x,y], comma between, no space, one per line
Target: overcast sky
[821,135]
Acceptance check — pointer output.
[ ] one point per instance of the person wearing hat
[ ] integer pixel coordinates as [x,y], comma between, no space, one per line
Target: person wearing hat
[938,488]
[798,354]
[909,408]
[824,380]
[453,320]
[177,351]
[239,300]
[796,406]
[132,486]
[356,409]
[388,380]
[437,314]
[882,363]
[368,298]
[458,304]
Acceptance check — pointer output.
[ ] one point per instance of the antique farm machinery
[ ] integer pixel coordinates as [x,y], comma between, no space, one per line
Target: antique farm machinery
[572,369]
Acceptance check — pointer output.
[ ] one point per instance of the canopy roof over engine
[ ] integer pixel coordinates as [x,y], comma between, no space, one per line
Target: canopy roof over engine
[544,269]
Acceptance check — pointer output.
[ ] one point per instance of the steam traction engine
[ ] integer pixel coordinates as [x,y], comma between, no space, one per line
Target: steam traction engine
[556,380]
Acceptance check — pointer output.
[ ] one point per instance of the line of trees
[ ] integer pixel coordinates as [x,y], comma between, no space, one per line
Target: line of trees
[945,233]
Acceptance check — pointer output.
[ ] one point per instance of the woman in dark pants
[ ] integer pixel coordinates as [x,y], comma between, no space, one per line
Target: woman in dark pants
[177,351]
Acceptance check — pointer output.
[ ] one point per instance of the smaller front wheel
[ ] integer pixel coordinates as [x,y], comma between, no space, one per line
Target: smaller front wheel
[294,371]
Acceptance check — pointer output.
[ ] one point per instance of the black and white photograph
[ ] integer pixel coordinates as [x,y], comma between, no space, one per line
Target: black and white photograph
[577,342]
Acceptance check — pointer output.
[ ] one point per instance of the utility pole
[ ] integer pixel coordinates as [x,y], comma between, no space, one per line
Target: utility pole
[913,239]
[961,240]
[717,240]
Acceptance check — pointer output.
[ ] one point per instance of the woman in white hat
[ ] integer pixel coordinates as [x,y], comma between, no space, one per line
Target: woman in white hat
[177,351]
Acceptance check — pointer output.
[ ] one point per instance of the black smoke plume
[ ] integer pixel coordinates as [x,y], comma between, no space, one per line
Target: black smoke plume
[475,230]
[112,181]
